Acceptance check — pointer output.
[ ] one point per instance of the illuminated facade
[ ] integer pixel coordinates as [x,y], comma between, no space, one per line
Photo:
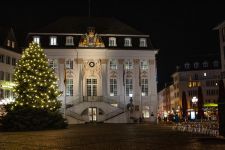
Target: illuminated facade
[205,73]
[105,63]
[8,58]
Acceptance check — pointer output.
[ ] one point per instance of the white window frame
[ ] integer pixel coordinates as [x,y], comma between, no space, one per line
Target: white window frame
[69,40]
[2,58]
[13,44]
[8,60]
[113,64]
[53,40]
[144,65]
[113,87]
[36,39]
[129,86]
[8,43]
[144,87]
[143,42]
[69,64]
[127,42]
[69,87]
[129,64]
[53,64]
[112,41]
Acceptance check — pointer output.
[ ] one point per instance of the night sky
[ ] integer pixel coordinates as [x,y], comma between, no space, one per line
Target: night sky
[178,29]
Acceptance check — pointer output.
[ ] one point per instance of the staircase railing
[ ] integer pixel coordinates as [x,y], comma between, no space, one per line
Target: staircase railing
[74,115]
[113,114]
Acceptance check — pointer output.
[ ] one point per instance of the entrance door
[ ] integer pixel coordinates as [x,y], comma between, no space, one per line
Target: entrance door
[91,87]
[92,114]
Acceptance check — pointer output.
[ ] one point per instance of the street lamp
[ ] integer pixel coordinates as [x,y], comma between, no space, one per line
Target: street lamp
[194,102]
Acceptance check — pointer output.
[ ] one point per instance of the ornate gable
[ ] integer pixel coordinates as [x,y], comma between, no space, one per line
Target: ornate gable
[91,39]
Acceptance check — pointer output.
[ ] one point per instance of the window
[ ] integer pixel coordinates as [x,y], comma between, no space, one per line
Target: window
[13,44]
[113,87]
[143,42]
[53,64]
[128,64]
[7,93]
[187,66]
[127,42]
[36,39]
[8,43]
[1,75]
[196,65]
[145,112]
[69,64]
[112,41]
[69,40]
[205,64]
[144,87]
[204,74]
[53,40]
[144,65]
[2,58]
[7,76]
[92,87]
[1,94]
[129,87]
[215,64]
[8,60]
[113,64]
[69,87]
[14,61]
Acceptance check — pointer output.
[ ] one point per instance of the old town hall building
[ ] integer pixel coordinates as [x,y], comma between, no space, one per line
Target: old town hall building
[109,69]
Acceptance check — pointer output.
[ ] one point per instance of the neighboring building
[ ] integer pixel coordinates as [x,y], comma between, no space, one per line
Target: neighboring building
[106,62]
[8,58]
[203,71]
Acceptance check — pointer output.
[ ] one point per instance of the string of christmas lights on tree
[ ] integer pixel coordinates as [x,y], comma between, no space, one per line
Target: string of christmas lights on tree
[36,83]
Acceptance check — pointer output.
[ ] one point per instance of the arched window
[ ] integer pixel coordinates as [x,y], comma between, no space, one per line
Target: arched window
[196,65]
[112,41]
[205,64]
[187,65]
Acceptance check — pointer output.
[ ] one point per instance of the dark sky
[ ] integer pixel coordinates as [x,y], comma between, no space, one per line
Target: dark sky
[178,29]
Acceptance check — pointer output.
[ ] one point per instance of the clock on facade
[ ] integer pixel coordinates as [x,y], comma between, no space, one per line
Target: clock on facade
[91,64]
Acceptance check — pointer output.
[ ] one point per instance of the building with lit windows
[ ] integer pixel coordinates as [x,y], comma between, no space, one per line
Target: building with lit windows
[110,69]
[201,71]
[8,57]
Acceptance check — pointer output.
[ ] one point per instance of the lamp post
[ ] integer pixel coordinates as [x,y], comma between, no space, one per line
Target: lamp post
[194,102]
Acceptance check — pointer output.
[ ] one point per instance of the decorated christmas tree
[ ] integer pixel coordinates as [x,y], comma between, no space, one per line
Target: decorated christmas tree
[36,93]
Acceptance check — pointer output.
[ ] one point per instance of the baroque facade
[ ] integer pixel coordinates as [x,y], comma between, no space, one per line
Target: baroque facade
[106,69]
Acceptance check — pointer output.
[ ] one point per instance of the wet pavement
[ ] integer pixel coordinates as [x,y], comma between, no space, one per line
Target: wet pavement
[109,137]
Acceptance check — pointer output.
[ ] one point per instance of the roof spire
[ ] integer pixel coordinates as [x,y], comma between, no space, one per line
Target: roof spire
[89,8]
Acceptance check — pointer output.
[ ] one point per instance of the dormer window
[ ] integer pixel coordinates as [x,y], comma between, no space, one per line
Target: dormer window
[143,42]
[8,43]
[13,44]
[36,39]
[127,42]
[53,40]
[112,41]
[196,65]
[69,40]
[187,66]
[205,64]
[215,64]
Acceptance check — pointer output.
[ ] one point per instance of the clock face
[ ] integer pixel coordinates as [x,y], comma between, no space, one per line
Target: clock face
[91,64]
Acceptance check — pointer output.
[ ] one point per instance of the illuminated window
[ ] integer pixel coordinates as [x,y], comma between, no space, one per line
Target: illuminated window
[36,39]
[53,40]
[69,64]
[53,64]
[144,64]
[143,42]
[2,58]
[112,41]
[8,43]
[113,87]
[92,87]
[113,64]
[129,87]
[69,87]
[145,112]
[13,44]
[128,64]
[144,87]
[69,40]
[127,42]
[204,74]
